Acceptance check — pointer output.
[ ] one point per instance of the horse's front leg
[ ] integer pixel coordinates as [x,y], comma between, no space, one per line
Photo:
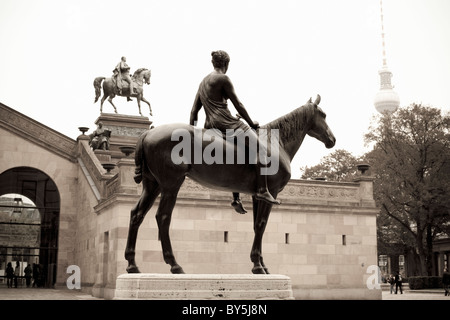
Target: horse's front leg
[261,212]
[149,106]
[138,98]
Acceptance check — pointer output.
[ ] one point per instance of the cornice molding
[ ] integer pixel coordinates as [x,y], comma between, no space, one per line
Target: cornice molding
[37,133]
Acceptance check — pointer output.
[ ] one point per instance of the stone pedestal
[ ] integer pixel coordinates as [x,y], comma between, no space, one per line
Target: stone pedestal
[103,155]
[151,286]
[125,130]
[126,168]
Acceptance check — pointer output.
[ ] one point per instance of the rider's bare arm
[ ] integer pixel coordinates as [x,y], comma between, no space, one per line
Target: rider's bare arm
[231,94]
[195,109]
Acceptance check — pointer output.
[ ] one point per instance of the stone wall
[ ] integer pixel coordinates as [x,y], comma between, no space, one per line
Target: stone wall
[323,236]
[19,150]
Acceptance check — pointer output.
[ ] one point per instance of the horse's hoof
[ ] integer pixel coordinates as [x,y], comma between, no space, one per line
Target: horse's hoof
[266,270]
[258,270]
[133,269]
[177,270]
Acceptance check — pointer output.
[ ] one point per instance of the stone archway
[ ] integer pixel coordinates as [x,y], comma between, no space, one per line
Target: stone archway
[41,189]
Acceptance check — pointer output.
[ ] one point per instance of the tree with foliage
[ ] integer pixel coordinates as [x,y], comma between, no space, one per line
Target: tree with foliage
[339,165]
[411,162]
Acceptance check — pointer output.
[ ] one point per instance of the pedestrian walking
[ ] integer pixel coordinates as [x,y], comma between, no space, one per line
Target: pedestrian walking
[16,273]
[446,282]
[391,281]
[28,271]
[398,283]
[9,275]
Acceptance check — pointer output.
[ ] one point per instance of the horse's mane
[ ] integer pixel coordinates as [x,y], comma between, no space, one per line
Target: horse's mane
[138,71]
[289,124]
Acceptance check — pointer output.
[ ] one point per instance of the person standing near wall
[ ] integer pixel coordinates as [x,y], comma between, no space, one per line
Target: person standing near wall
[391,281]
[398,282]
[16,273]
[9,275]
[28,271]
[446,282]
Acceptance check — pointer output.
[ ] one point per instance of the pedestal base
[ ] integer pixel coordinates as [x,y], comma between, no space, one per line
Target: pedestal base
[147,286]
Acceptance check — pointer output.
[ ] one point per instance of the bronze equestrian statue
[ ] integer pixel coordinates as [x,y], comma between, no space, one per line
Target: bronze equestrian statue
[111,89]
[160,175]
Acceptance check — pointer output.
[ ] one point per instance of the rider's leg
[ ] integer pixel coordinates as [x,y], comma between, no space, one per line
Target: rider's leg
[130,83]
[237,204]
[262,192]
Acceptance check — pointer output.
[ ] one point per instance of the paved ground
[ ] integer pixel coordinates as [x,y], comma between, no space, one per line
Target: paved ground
[66,294]
[431,294]
[43,294]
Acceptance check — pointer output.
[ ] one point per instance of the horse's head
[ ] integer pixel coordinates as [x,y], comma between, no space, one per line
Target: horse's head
[143,74]
[147,75]
[319,128]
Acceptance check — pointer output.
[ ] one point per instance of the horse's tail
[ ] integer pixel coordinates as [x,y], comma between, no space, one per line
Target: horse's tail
[98,86]
[139,159]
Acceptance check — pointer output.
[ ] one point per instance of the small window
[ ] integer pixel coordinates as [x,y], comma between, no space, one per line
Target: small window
[286,238]
[225,236]
[344,240]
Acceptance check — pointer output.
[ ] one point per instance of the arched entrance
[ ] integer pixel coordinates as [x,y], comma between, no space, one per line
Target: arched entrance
[16,245]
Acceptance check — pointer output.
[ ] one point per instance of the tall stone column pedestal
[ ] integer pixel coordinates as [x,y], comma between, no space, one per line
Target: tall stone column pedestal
[151,286]
[125,130]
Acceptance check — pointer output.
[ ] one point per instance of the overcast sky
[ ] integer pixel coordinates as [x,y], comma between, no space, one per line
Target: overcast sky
[282,53]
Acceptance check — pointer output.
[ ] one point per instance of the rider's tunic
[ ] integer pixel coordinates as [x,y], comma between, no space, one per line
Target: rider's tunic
[218,116]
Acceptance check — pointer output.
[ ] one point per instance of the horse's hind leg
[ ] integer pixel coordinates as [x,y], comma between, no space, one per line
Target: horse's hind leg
[150,192]
[163,218]
[101,102]
[110,101]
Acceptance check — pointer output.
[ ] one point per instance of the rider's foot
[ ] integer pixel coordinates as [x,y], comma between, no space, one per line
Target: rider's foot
[129,99]
[267,197]
[238,207]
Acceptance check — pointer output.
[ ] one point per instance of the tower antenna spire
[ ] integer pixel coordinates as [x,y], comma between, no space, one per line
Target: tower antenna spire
[386,100]
[382,33]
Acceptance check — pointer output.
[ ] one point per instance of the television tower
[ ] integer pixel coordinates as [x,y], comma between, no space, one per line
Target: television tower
[386,100]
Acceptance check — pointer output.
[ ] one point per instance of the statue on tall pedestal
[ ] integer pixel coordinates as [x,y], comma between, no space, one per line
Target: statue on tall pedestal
[123,85]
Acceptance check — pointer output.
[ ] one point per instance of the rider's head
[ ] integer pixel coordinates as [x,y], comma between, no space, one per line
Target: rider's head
[124,59]
[220,59]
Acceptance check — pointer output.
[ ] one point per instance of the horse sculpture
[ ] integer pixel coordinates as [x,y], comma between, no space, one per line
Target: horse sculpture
[160,175]
[110,89]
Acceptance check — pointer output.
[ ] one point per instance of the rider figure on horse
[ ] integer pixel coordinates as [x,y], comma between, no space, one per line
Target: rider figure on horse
[122,72]
[213,93]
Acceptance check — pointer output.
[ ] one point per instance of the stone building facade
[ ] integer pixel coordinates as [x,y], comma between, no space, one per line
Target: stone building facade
[323,236]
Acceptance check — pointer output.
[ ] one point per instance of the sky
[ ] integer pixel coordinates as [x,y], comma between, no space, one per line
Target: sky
[282,53]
